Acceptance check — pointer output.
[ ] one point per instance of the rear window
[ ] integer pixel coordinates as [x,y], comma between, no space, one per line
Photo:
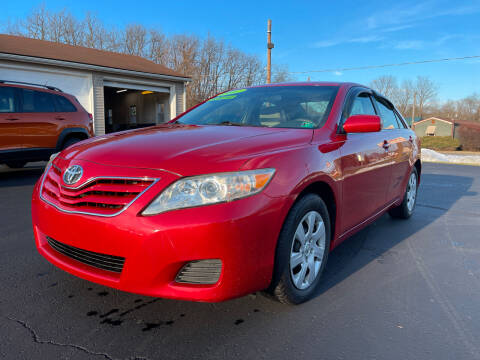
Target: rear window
[63,104]
[37,101]
[7,100]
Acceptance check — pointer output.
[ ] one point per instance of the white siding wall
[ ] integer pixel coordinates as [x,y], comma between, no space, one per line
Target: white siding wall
[76,83]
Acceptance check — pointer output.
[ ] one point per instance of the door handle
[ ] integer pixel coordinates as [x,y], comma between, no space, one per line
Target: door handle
[386,144]
[11,119]
[59,118]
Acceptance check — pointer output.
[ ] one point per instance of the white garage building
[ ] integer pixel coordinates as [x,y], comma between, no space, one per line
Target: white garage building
[121,91]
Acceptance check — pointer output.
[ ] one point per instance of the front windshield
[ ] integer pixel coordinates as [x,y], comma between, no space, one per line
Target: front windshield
[271,106]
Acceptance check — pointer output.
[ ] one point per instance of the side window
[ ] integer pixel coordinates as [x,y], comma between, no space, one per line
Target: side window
[389,120]
[401,122]
[37,101]
[362,105]
[27,100]
[63,104]
[8,102]
[42,102]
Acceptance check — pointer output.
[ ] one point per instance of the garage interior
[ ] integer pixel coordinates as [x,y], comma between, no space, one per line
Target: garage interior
[130,108]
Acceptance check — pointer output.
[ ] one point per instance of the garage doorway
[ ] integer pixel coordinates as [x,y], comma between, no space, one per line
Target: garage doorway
[127,108]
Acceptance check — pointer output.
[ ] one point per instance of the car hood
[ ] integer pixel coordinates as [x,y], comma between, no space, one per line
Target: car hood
[187,149]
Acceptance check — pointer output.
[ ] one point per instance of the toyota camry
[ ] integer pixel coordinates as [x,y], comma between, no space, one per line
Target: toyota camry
[250,190]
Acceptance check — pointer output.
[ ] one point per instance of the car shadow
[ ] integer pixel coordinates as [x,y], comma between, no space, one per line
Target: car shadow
[27,175]
[374,242]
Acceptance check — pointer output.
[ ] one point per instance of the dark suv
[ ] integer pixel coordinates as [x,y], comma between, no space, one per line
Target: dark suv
[37,121]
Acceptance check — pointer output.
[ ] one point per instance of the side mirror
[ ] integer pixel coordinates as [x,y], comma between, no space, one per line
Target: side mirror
[362,124]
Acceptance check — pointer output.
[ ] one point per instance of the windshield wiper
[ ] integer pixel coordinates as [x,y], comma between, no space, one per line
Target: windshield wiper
[229,123]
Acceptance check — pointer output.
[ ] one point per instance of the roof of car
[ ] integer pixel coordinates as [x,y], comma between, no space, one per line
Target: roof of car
[19,45]
[313,83]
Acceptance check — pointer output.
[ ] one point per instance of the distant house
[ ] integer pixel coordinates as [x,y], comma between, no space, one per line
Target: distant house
[434,127]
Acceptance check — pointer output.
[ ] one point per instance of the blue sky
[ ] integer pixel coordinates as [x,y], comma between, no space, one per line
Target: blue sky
[315,35]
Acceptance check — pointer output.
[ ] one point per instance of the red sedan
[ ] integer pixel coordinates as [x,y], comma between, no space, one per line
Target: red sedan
[248,191]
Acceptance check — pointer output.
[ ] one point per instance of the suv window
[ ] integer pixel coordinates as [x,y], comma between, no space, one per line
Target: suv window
[7,100]
[63,104]
[37,101]
[362,105]
[389,120]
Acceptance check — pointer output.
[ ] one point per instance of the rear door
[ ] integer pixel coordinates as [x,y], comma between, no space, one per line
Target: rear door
[10,135]
[365,165]
[399,146]
[39,120]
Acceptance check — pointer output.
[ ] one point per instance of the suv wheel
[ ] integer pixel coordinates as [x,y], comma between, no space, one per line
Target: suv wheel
[16,164]
[302,251]
[70,142]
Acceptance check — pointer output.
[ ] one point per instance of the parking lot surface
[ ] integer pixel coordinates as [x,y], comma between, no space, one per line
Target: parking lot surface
[396,290]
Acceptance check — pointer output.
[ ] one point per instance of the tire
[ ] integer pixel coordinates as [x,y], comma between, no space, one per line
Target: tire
[407,207]
[70,142]
[16,164]
[291,284]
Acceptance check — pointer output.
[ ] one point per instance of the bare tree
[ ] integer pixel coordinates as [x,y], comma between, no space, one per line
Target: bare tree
[385,85]
[281,74]
[158,47]
[36,24]
[94,33]
[135,39]
[425,91]
[213,65]
[403,97]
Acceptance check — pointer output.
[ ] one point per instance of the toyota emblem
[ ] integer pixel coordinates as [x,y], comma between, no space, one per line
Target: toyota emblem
[72,174]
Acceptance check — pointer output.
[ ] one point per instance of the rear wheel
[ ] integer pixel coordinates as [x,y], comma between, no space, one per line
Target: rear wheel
[406,208]
[302,251]
[15,164]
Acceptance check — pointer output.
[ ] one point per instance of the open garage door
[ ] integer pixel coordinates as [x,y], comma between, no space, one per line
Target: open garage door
[131,106]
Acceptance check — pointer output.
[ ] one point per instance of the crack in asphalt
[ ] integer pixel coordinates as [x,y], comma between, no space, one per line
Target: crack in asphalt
[37,340]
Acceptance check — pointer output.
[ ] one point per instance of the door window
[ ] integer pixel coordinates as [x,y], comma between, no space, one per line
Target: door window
[7,100]
[389,120]
[362,105]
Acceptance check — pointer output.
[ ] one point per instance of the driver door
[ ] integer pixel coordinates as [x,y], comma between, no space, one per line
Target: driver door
[366,167]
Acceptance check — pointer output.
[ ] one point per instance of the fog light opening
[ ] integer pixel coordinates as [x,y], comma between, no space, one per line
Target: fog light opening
[200,272]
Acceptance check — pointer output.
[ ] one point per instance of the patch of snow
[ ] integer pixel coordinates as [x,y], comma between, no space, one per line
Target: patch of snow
[429,155]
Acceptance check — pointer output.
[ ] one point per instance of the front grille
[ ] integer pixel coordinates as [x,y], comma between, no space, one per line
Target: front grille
[101,261]
[99,196]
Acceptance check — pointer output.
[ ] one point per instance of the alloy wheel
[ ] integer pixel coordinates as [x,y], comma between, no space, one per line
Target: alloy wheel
[411,191]
[308,250]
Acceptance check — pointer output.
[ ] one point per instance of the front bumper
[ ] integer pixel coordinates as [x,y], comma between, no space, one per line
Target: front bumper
[242,234]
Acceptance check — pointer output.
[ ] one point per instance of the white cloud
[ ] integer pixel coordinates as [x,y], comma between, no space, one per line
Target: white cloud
[359,40]
[409,44]
[337,73]
[403,16]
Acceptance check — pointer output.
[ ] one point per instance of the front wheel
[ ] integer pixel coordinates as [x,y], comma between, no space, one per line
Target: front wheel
[302,251]
[406,208]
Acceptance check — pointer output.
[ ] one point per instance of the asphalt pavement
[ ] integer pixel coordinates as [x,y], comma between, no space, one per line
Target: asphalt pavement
[396,290]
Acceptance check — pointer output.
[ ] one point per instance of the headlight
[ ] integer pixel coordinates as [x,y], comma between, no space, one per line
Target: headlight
[52,157]
[210,189]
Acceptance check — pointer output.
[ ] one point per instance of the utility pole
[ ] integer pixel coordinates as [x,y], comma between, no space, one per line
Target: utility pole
[269,51]
[413,107]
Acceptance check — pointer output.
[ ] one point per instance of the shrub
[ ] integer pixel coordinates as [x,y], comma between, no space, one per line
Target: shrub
[470,138]
[441,143]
